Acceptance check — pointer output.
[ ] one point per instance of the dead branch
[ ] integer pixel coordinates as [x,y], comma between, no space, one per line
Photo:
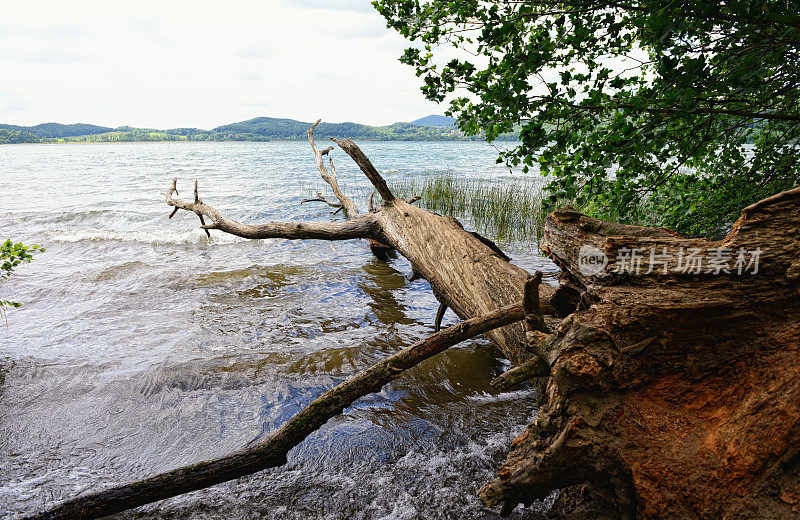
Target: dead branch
[271,451]
[320,198]
[366,166]
[349,206]
[535,328]
[516,376]
[371,203]
[533,314]
[439,315]
[362,227]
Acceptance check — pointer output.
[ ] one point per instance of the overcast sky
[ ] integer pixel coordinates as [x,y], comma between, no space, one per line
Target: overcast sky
[166,64]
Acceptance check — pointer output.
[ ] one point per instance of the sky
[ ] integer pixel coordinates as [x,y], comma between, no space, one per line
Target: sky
[174,63]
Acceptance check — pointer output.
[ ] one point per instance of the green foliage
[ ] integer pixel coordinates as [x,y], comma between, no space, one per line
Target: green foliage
[660,112]
[11,255]
[124,134]
[16,136]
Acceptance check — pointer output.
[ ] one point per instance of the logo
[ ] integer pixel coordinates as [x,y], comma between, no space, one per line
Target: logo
[591,261]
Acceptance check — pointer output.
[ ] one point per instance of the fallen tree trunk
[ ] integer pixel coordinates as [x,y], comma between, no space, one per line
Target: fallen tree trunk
[271,451]
[467,273]
[673,391]
[674,387]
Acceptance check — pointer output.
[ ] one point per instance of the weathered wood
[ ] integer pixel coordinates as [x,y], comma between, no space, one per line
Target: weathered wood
[535,327]
[321,198]
[520,374]
[674,390]
[364,226]
[349,206]
[271,451]
[437,324]
[366,166]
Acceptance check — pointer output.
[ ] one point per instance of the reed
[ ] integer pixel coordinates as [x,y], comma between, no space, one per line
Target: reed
[504,210]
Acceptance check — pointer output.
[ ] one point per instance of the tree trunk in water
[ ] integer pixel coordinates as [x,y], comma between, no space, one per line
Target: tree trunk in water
[674,382]
[673,393]
[466,272]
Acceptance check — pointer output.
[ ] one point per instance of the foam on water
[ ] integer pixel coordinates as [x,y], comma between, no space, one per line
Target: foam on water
[161,237]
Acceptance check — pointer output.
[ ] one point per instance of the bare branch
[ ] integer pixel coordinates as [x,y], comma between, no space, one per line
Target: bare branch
[202,219]
[321,198]
[439,315]
[513,378]
[349,206]
[365,226]
[366,166]
[533,314]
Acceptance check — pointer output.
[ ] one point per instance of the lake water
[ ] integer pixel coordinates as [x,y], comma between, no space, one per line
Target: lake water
[142,345]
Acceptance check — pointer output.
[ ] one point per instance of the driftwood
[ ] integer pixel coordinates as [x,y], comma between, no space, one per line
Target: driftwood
[467,272]
[674,388]
[271,451]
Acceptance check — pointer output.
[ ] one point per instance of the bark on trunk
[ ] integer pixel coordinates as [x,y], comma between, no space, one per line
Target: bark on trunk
[673,393]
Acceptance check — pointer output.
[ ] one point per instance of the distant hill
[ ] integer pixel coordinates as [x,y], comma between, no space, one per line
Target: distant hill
[297,130]
[430,128]
[57,130]
[289,129]
[434,120]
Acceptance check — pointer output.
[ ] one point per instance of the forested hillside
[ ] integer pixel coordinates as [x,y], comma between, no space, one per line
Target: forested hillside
[429,128]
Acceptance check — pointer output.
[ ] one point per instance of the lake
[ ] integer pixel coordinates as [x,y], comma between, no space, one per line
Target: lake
[142,345]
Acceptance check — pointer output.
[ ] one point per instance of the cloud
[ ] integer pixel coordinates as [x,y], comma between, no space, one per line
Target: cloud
[254,52]
[53,57]
[251,76]
[334,5]
[180,63]
[52,32]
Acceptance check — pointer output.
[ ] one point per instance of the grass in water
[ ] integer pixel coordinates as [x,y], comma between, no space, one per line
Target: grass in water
[510,210]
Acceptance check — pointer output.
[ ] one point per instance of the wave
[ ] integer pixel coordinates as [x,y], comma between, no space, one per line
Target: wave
[504,396]
[193,236]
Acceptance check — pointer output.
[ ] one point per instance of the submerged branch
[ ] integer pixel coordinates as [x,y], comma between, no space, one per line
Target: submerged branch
[271,451]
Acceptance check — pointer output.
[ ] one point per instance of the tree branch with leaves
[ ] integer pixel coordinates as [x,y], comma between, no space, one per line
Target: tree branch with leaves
[655,112]
[11,256]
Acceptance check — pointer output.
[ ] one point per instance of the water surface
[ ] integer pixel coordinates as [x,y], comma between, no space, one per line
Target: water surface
[142,345]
